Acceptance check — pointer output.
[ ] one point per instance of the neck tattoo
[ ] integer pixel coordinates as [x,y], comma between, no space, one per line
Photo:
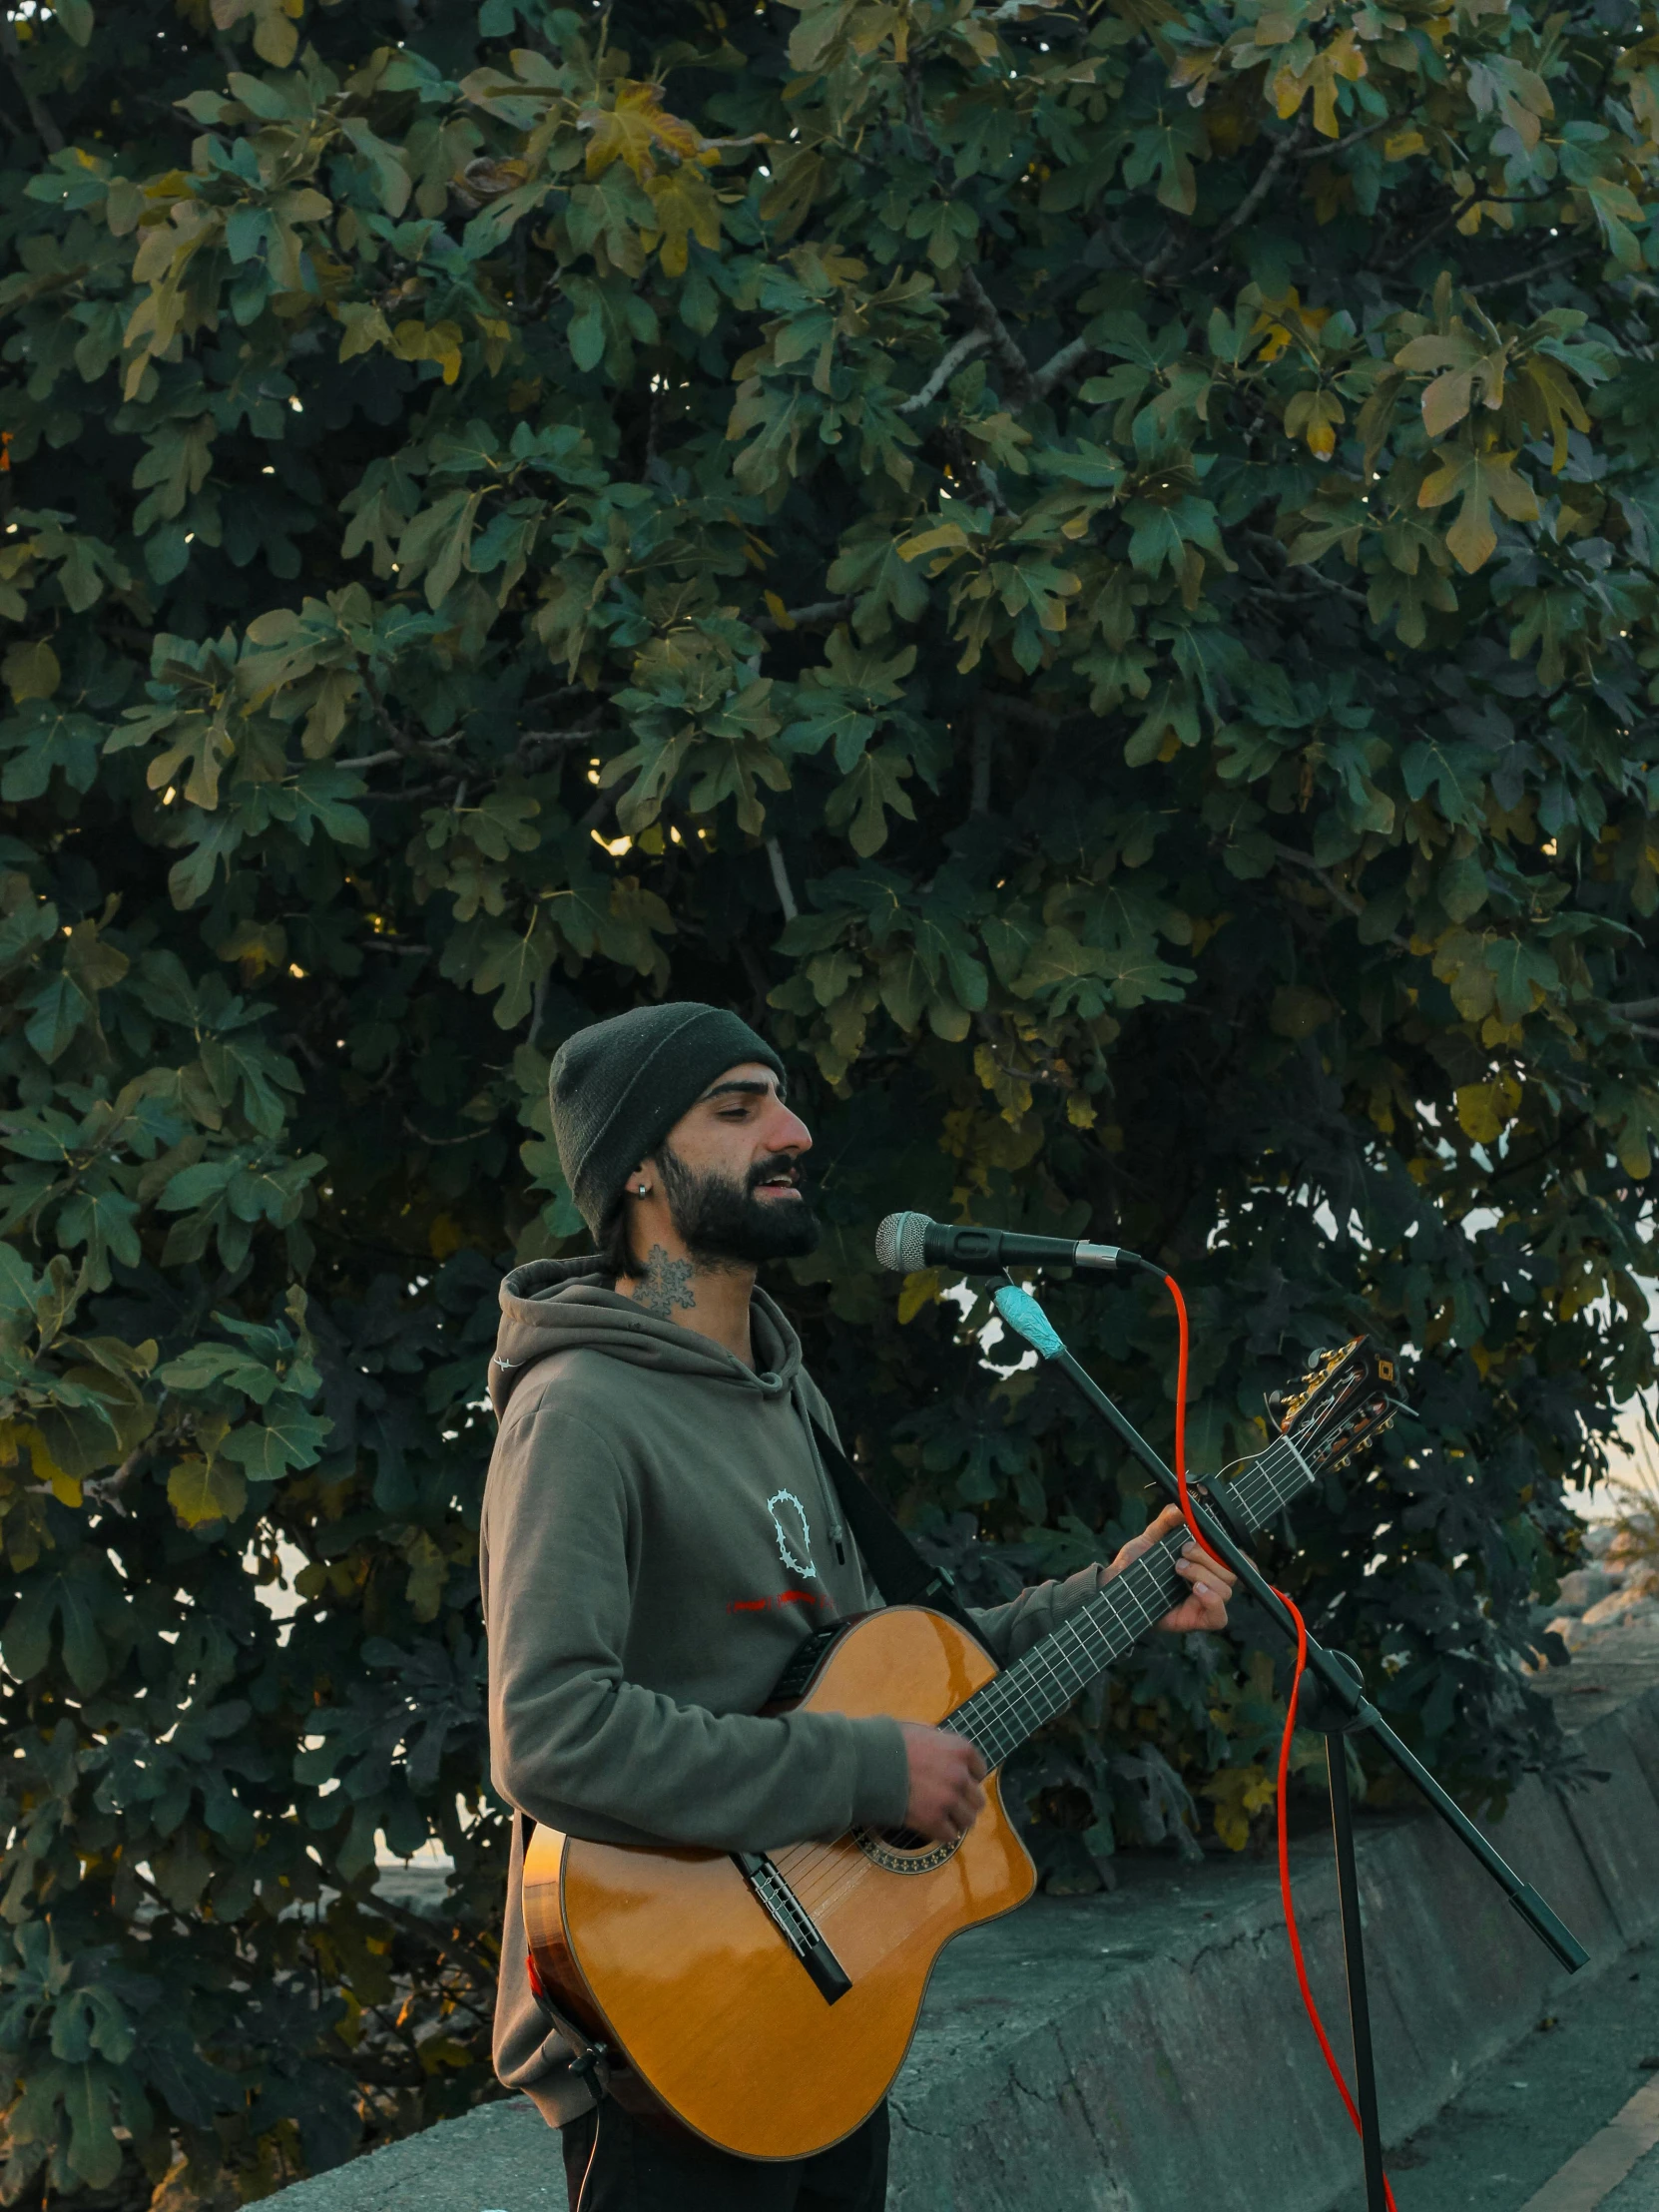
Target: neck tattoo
[665,1286]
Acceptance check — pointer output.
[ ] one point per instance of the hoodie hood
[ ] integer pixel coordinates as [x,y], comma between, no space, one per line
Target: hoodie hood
[568,1304]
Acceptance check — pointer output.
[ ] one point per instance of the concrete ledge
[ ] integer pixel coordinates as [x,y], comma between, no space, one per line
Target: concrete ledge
[1122,2053]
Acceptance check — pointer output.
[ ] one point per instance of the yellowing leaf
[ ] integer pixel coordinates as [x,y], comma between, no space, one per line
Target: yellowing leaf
[1342,59]
[31,671]
[440,342]
[65,1488]
[632,130]
[1285,319]
[1481,481]
[1298,1011]
[686,207]
[919,1291]
[204,1490]
[1236,1793]
[1315,416]
[429,1573]
[1546,390]
[1634,1155]
[1484,1110]
[275,38]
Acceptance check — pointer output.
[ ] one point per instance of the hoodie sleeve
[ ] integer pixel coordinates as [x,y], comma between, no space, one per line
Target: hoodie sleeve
[577,1746]
[1010,1630]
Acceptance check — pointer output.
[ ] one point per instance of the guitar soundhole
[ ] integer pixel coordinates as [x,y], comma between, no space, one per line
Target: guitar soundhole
[903,1850]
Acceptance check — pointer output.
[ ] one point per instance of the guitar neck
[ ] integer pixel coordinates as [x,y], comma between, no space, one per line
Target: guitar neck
[1014,1706]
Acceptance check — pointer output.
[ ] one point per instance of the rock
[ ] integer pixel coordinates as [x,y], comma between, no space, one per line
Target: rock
[1570,1629]
[1629,1547]
[1597,1538]
[1623,1607]
[1585,1586]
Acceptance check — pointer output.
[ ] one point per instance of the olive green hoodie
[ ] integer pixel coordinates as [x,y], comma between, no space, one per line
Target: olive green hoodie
[658,1537]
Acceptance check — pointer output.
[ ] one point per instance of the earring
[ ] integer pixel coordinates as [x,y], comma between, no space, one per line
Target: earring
[645,1190]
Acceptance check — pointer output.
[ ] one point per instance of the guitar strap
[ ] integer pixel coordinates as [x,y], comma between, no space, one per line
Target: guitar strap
[905,1576]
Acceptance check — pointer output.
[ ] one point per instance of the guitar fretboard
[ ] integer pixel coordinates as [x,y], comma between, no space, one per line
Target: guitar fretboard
[999,1718]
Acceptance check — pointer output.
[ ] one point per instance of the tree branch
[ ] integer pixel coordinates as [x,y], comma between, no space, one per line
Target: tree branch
[372,760]
[1027,712]
[995,1037]
[980,759]
[416,1924]
[1453,215]
[798,618]
[948,368]
[1291,144]
[101,1490]
[45,128]
[1002,340]
[437,1143]
[1353,137]
[781,879]
[1345,899]
[1549,266]
[1060,366]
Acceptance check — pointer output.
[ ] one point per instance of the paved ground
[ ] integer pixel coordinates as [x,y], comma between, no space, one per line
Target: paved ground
[1530,2122]
[1568,2120]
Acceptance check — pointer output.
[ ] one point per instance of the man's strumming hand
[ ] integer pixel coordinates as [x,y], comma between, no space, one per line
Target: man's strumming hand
[946,1782]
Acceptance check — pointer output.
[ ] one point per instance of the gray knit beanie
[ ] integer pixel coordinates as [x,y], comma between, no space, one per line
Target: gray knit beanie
[617,1089]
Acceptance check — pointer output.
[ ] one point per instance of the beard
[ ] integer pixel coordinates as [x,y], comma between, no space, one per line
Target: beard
[723,1221]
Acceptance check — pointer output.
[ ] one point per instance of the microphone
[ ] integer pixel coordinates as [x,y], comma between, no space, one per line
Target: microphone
[911,1241]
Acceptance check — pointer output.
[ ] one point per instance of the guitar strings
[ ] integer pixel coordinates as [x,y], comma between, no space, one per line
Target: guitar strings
[1009,1708]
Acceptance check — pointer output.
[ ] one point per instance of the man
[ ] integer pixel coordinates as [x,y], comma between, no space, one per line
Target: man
[659,1534]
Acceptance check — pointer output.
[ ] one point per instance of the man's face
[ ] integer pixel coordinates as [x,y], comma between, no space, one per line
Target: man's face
[733,1175]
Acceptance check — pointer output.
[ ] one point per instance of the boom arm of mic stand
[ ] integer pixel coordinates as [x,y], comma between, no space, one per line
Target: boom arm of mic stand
[1335,1678]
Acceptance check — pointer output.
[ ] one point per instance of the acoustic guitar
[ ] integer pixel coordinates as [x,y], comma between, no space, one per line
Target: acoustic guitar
[766,1999]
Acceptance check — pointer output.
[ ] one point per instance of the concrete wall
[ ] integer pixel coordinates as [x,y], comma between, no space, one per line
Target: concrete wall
[1147,2052]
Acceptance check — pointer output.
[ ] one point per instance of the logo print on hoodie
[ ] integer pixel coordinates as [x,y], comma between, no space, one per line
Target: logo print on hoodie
[787,1536]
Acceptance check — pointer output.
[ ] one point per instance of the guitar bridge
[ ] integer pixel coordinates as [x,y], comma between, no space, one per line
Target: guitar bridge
[795,1924]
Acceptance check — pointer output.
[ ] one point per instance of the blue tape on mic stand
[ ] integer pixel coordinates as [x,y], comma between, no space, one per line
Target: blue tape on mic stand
[1026,1318]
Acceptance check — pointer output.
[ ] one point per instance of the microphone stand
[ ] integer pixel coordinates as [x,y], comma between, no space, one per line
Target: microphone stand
[1341,1709]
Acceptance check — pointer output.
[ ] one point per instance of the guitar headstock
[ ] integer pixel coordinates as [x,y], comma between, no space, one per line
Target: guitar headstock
[1339,1406]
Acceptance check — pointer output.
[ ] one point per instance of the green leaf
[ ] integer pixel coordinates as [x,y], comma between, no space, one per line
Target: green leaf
[77,18]
[67,1598]
[862,803]
[1524,975]
[1454,773]
[286,1438]
[59,1008]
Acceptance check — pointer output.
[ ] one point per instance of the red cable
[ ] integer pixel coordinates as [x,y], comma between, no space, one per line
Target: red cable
[1282,1787]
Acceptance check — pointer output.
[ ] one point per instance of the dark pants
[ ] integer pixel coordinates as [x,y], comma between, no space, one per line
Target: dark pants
[640,2165]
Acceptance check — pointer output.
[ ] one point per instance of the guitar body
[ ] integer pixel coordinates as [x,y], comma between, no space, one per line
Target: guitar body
[671,1954]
